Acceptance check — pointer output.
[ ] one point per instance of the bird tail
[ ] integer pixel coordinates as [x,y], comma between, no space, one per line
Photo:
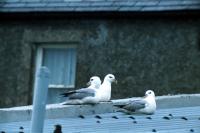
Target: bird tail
[123,111]
[66,94]
[120,108]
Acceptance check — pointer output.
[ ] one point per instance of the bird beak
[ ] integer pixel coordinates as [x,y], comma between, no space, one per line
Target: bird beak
[88,83]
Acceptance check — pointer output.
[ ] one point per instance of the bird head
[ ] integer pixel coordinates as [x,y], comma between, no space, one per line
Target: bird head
[149,93]
[94,81]
[110,78]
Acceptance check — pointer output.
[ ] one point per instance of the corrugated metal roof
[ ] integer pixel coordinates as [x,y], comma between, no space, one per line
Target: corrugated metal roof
[97,5]
[184,120]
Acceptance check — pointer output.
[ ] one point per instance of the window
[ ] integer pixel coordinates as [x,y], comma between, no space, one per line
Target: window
[61,61]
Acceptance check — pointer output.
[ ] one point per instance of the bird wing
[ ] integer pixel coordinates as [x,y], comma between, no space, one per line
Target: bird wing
[79,94]
[135,105]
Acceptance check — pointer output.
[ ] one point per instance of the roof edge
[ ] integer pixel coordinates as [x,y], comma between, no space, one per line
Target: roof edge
[53,111]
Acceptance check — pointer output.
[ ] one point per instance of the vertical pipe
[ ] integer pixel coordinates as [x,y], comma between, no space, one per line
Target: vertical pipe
[39,100]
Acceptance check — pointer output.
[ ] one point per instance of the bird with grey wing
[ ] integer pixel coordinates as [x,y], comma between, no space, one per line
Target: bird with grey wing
[146,105]
[84,95]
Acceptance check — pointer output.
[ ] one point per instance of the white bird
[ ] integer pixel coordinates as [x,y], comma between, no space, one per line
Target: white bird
[105,88]
[84,95]
[147,105]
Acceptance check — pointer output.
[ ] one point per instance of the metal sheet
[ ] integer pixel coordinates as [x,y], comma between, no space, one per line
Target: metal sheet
[119,122]
[97,5]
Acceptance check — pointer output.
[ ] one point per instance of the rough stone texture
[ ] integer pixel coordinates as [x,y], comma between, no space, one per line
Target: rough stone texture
[162,54]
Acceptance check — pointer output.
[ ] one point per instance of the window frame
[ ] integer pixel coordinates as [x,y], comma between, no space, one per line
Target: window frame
[39,60]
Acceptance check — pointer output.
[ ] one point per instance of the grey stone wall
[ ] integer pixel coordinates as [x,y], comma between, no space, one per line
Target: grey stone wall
[162,54]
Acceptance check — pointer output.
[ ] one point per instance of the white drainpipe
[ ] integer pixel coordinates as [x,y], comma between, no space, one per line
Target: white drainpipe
[39,100]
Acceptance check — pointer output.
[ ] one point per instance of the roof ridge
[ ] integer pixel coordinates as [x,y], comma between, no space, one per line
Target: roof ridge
[98,5]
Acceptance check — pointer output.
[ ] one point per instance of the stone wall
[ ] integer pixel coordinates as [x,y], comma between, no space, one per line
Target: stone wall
[162,54]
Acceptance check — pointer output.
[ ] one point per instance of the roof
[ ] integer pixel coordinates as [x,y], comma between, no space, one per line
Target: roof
[179,113]
[10,6]
[184,120]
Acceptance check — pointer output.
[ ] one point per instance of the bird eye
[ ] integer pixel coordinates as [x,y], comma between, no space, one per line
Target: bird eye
[149,92]
[91,79]
[110,77]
